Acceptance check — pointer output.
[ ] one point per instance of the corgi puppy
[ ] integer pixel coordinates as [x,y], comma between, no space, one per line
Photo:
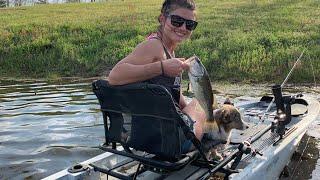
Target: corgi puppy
[217,133]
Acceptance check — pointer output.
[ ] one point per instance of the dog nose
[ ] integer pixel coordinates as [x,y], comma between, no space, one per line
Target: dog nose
[247,127]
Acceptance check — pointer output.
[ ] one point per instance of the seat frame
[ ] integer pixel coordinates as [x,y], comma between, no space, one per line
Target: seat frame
[152,160]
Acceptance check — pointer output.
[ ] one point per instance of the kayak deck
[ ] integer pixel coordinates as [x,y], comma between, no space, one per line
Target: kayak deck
[269,147]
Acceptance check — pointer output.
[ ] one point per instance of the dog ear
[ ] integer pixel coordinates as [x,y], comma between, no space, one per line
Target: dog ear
[228,101]
[218,115]
[222,115]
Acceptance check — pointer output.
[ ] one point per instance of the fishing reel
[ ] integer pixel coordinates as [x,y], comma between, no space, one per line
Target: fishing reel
[283,115]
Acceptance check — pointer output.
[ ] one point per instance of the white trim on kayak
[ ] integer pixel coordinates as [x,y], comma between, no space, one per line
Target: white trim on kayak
[64,174]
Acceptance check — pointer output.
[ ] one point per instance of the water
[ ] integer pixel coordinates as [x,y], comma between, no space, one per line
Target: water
[49,126]
[46,127]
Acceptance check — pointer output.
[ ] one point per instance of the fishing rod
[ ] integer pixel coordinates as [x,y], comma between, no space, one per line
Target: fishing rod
[260,133]
[282,85]
[256,136]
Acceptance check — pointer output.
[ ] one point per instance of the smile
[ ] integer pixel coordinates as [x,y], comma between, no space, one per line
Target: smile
[180,33]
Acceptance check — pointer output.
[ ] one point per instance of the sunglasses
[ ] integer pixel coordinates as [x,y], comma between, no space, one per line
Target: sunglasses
[178,21]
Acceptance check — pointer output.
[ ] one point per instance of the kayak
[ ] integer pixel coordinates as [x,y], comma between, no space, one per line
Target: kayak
[259,152]
[276,153]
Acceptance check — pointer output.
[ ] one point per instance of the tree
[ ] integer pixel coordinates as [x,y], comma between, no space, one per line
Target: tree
[41,2]
[17,2]
[3,3]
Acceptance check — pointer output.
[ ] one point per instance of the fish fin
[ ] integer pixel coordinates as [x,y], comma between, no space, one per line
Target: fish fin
[189,88]
[209,125]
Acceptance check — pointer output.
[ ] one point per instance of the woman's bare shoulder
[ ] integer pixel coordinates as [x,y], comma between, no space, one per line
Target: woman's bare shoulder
[146,52]
[149,48]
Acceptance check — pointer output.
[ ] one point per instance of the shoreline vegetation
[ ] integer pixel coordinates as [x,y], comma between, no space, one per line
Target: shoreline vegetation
[238,41]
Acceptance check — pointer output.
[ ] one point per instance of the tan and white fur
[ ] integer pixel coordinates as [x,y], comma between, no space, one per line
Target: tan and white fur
[217,132]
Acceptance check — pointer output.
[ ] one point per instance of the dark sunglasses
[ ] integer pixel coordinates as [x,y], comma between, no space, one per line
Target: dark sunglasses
[178,21]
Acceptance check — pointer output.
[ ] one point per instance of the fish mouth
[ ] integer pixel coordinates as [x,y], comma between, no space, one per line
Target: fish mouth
[196,69]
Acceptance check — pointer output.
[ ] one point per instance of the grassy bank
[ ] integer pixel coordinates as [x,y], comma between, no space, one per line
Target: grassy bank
[236,40]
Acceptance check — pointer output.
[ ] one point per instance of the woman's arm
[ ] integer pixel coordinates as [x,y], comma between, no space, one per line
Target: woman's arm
[144,63]
[128,73]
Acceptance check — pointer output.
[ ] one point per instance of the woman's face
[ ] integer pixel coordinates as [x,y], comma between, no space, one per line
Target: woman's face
[178,34]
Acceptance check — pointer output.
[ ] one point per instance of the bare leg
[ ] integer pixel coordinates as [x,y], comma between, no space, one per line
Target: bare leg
[194,110]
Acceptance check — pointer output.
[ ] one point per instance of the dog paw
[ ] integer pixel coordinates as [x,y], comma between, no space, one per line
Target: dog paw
[214,155]
[217,157]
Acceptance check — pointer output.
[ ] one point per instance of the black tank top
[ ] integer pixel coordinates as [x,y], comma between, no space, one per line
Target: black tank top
[172,84]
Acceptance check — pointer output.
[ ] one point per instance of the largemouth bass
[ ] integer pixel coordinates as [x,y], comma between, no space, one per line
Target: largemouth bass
[201,86]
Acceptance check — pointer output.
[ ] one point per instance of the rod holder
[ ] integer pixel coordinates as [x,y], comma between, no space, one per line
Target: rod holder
[277,92]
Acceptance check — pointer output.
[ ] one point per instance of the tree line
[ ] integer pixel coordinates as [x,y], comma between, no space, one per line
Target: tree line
[17,3]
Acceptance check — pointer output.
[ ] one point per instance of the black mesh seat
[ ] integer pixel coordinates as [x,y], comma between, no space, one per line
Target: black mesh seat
[144,117]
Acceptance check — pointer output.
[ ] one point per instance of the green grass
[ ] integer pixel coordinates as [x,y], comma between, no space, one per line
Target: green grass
[237,40]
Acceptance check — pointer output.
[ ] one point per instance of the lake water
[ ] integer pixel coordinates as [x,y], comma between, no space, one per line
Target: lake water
[47,126]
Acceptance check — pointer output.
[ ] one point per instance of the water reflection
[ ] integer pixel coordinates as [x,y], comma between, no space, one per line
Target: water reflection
[46,127]
[304,161]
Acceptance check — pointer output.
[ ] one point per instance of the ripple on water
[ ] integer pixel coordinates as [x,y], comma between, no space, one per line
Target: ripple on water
[38,123]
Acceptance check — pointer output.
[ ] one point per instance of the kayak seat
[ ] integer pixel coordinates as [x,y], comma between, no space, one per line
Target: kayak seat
[143,117]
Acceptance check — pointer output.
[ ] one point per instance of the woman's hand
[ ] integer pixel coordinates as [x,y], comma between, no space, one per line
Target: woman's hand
[174,67]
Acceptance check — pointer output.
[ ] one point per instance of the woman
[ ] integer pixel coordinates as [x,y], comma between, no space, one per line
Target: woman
[153,60]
